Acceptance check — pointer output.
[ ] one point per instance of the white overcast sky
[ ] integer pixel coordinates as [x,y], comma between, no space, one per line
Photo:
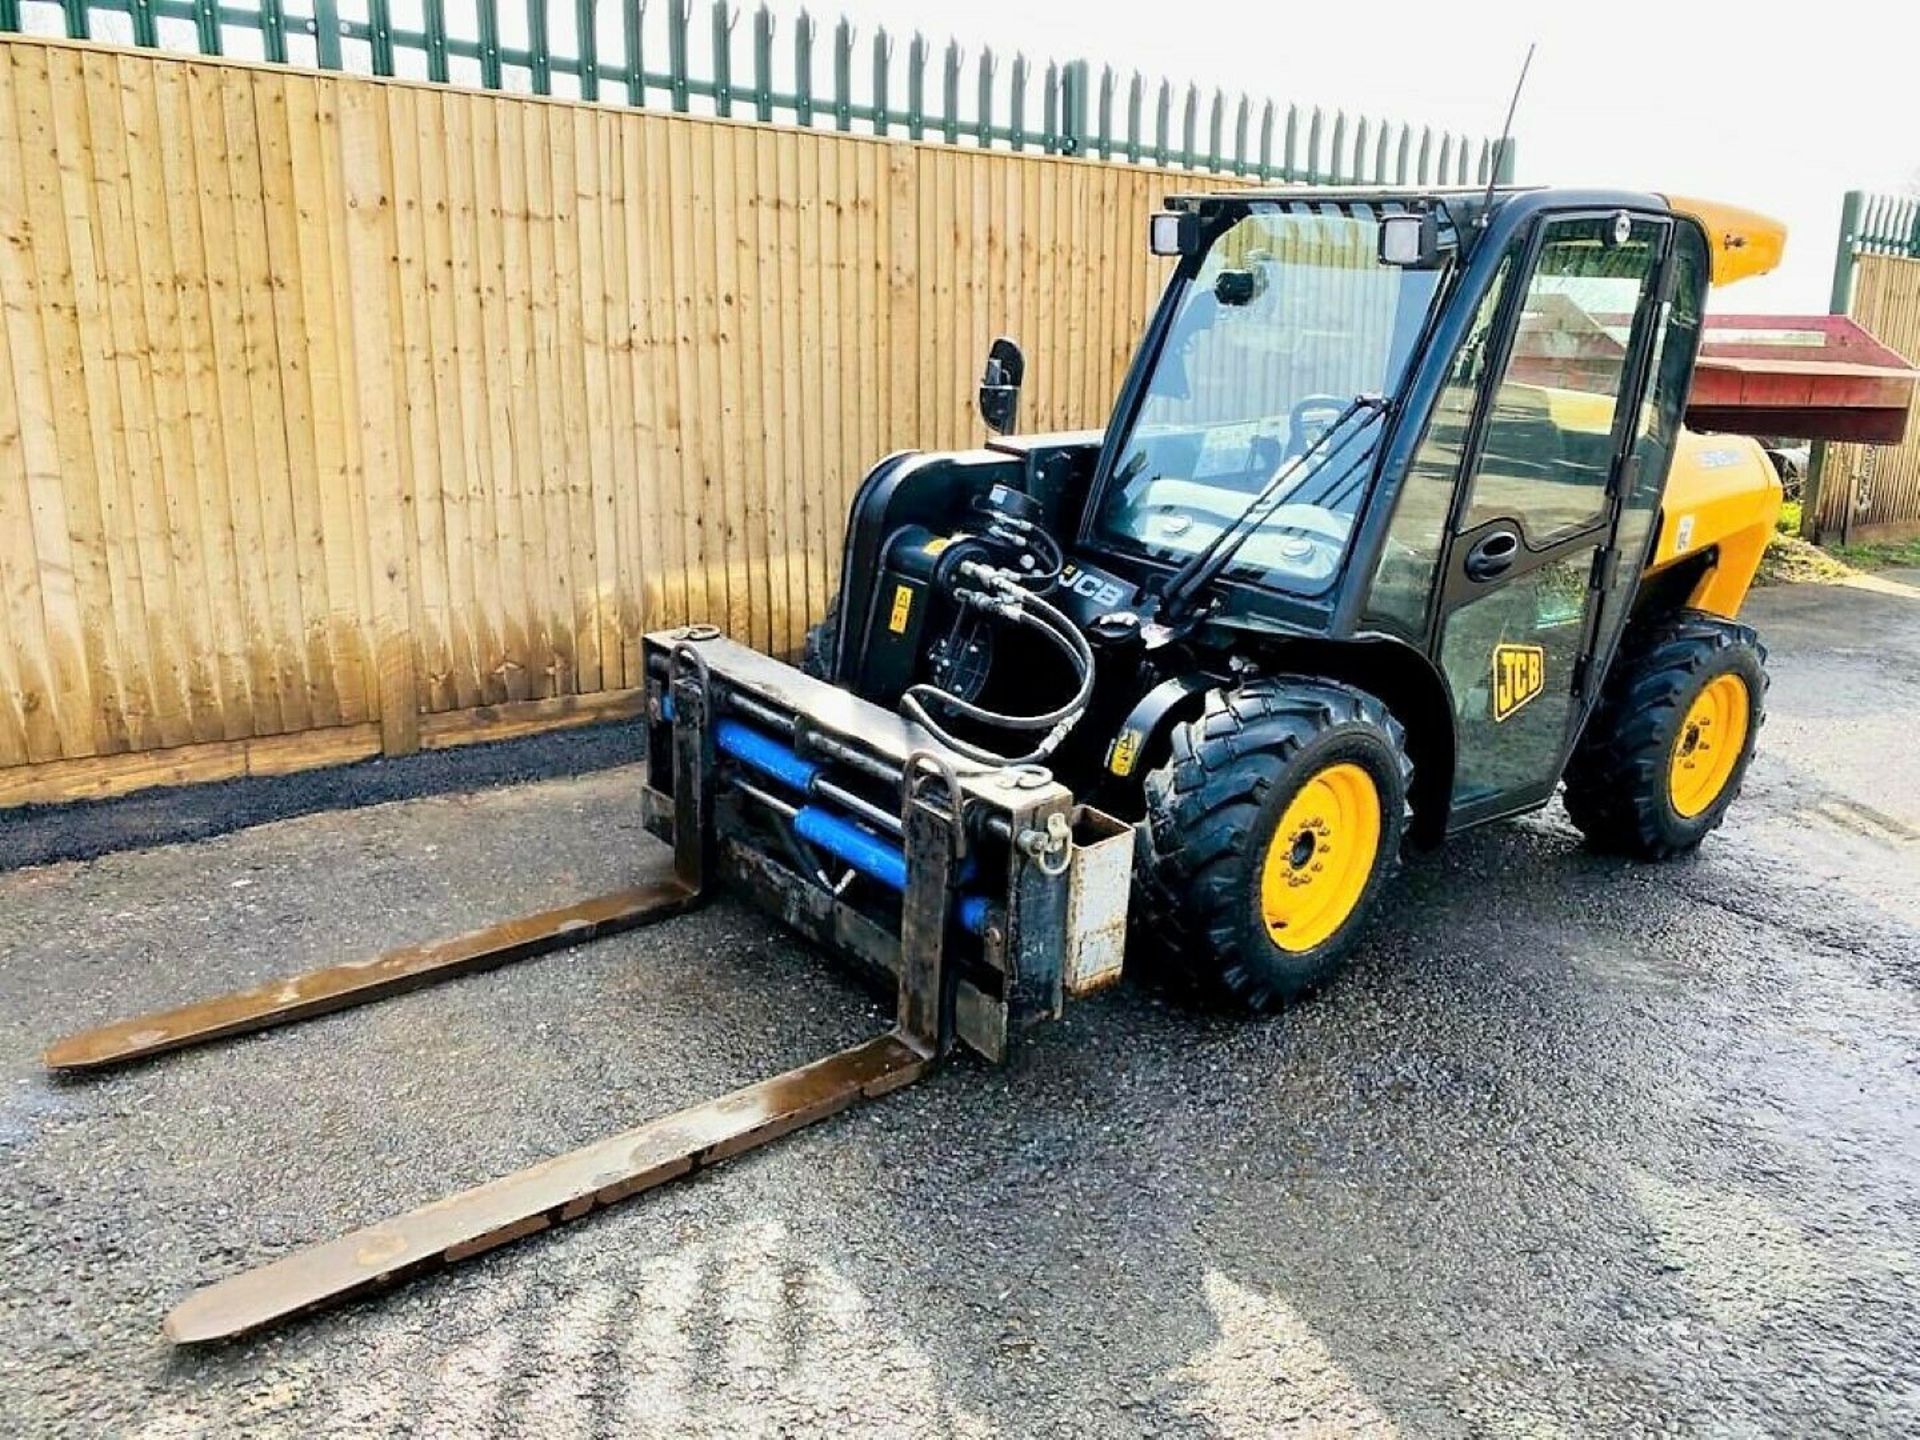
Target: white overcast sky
[1713,99]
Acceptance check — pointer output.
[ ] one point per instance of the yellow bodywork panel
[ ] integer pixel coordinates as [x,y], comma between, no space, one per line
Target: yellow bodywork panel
[1723,494]
[1743,242]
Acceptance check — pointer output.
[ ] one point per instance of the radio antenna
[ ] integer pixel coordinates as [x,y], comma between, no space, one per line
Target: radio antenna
[1506,133]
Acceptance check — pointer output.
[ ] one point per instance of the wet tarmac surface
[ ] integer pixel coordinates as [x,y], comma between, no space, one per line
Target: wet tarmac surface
[1576,1147]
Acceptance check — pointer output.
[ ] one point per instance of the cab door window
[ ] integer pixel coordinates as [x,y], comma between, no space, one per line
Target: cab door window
[1403,577]
[1548,452]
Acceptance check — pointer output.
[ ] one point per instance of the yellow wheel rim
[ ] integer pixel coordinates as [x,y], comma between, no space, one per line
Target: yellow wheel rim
[1707,749]
[1320,857]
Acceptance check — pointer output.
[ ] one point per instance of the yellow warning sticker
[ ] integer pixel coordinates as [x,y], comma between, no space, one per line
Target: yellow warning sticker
[1519,674]
[902,608]
[1124,751]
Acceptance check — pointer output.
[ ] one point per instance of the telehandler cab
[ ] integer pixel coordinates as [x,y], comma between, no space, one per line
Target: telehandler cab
[1395,526]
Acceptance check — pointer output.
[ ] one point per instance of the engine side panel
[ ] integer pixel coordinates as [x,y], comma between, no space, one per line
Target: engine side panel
[1723,495]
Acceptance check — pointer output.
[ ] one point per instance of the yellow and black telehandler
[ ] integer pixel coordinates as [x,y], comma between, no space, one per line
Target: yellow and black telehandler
[1395,528]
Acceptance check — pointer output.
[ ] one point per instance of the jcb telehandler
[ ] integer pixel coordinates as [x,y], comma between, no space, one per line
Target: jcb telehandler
[1395,526]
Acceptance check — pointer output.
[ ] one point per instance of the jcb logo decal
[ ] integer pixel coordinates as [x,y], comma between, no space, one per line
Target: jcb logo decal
[1101,592]
[1519,674]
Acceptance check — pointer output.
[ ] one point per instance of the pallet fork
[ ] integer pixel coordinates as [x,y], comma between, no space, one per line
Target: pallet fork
[985,896]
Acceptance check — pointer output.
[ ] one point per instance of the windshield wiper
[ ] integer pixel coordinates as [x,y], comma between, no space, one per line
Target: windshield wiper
[1205,565]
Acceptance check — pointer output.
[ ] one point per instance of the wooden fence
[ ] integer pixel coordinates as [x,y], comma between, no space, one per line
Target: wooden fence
[1873,492]
[341,416]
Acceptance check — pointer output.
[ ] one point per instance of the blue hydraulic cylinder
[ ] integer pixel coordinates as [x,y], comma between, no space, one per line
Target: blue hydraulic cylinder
[759,751]
[855,845]
[858,847]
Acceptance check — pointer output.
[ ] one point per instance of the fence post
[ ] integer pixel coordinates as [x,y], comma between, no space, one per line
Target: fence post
[434,14]
[585,39]
[1843,254]
[1074,85]
[326,33]
[1837,303]
[380,22]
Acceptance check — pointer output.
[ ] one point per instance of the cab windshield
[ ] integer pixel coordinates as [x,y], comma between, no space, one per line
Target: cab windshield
[1290,317]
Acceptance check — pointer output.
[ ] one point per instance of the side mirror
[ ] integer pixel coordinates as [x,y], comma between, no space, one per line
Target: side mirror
[1000,385]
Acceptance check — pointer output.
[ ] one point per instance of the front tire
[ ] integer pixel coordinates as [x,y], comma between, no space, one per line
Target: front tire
[1666,750]
[1273,825]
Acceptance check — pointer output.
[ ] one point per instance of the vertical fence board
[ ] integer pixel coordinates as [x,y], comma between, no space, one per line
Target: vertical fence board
[27,731]
[706,582]
[466,348]
[328,367]
[630,432]
[264,524]
[372,242]
[182,164]
[594,185]
[450,529]
[849,466]
[295,341]
[413,368]
[714,180]
[353,572]
[813,385]
[667,303]
[662,577]
[570,380]
[554,520]
[521,506]
[496,438]
[805,577]
[735,156]
[761,179]
[62,284]
[152,264]
[138,487]
[47,633]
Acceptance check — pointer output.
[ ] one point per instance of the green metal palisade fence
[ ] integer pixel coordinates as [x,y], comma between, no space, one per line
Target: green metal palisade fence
[1870,224]
[608,50]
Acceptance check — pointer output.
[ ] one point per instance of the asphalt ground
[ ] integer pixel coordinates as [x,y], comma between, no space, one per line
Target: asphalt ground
[1577,1146]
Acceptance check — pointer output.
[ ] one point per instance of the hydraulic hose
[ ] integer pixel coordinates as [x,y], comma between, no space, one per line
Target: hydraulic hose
[1001,595]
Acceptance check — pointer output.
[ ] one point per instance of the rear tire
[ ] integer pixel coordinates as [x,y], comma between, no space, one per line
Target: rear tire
[1273,825]
[1666,750]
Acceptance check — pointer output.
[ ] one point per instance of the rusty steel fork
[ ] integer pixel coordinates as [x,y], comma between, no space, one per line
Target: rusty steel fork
[318,992]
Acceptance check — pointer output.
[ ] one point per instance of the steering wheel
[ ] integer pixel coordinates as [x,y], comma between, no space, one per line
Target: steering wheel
[1300,417]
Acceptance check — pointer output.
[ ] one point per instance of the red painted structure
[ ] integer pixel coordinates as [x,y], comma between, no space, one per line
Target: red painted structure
[1807,377]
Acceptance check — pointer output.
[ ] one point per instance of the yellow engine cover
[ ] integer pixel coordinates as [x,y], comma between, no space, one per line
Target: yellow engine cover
[1722,494]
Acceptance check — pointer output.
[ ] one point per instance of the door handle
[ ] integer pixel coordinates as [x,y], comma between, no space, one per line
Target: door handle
[1493,555]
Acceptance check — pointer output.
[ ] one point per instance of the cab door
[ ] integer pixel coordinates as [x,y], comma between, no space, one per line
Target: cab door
[1533,525]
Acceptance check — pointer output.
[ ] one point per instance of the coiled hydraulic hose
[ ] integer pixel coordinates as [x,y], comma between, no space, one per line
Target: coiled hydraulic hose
[1001,595]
